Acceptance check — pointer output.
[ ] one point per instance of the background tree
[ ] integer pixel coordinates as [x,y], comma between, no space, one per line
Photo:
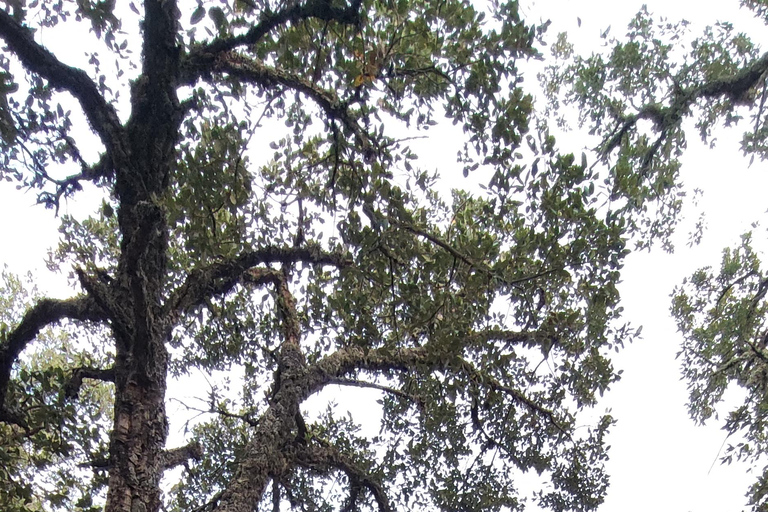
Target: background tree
[639,98]
[482,320]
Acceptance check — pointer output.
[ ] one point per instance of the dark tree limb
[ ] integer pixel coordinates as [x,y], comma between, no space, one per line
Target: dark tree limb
[72,388]
[37,59]
[198,62]
[352,359]
[504,335]
[46,312]
[221,277]
[170,458]
[483,379]
[322,456]
[66,186]
[372,385]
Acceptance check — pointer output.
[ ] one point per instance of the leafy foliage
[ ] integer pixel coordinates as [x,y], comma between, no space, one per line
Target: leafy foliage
[264,215]
[637,97]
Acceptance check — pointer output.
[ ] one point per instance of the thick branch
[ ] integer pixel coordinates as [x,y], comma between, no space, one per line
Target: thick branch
[46,312]
[36,58]
[286,309]
[72,389]
[219,278]
[177,456]
[351,359]
[200,60]
[170,458]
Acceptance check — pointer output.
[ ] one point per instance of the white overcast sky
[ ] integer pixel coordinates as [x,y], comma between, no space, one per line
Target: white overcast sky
[660,460]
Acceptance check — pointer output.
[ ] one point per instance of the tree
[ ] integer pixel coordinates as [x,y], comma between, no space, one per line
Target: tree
[482,320]
[639,98]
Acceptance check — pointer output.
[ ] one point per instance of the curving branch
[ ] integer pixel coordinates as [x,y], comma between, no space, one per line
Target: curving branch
[46,312]
[200,60]
[482,378]
[221,277]
[480,267]
[372,385]
[323,456]
[256,72]
[735,87]
[37,59]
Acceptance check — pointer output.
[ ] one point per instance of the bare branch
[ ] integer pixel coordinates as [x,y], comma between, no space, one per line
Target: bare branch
[46,312]
[371,385]
[72,388]
[177,456]
[37,59]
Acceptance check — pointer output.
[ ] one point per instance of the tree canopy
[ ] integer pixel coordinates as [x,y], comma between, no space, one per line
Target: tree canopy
[266,217]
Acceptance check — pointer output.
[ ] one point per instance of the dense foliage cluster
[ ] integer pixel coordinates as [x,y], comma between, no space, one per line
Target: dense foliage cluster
[265,216]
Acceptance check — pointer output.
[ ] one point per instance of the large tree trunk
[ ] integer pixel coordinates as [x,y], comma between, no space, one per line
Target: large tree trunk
[140,422]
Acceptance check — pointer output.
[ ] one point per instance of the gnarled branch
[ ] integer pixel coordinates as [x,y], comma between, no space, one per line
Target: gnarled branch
[46,312]
[256,72]
[734,87]
[37,59]
[345,361]
[180,455]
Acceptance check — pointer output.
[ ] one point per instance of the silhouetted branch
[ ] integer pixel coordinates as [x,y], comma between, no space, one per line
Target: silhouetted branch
[46,312]
[253,71]
[322,456]
[199,61]
[101,115]
[72,388]
[735,87]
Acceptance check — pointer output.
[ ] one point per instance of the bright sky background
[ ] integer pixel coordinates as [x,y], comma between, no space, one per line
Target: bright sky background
[660,460]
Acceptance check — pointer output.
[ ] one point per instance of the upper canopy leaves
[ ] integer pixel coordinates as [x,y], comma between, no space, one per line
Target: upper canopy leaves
[316,252]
